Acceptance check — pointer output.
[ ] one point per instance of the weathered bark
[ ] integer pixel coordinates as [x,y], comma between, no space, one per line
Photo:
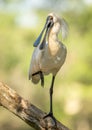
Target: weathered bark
[29,113]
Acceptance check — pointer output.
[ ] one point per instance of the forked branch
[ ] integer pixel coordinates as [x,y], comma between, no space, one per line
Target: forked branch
[29,113]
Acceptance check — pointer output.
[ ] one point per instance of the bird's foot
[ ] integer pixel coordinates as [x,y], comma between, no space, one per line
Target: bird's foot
[50,114]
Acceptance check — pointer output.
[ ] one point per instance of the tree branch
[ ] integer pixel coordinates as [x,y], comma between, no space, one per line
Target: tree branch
[29,113]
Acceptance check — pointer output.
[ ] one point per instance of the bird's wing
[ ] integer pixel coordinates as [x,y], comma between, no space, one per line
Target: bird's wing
[35,65]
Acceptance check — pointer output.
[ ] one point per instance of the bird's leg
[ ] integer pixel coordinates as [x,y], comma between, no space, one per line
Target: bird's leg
[51,96]
[41,76]
[50,114]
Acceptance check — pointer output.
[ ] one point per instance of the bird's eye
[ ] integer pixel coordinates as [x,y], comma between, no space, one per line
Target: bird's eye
[51,18]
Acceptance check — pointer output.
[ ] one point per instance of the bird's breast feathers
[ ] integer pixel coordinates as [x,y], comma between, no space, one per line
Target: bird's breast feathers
[49,62]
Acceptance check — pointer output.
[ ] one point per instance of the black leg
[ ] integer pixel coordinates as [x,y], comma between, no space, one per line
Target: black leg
[41,76]
[50,114]
[42,79]
[51,95]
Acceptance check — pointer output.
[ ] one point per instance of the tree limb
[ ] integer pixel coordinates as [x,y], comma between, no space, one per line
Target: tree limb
[29,113]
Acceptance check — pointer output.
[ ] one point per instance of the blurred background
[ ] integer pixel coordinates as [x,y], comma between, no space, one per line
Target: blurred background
[21,21]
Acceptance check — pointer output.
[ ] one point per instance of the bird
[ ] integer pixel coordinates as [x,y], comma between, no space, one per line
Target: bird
[49,53]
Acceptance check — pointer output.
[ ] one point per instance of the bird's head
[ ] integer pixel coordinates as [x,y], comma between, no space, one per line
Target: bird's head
[51,20]
[48,25]
[59,24]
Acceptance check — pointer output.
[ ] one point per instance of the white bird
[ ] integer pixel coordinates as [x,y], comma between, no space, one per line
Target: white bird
[49,54]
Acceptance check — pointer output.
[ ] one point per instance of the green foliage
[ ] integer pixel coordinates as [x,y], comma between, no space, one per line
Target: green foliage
[7,20]
[84,20]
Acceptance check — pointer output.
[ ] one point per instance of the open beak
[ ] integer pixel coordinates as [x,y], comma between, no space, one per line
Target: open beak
[47,26]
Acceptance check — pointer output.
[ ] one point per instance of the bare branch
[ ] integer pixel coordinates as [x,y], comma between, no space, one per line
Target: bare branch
[29,113]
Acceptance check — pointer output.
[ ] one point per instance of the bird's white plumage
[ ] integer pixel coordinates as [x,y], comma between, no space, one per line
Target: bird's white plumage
[51,58]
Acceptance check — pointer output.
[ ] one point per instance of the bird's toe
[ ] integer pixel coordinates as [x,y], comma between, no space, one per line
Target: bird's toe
[50,115]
